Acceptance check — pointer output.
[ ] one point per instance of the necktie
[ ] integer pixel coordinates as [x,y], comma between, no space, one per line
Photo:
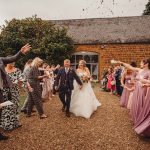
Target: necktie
[67,69]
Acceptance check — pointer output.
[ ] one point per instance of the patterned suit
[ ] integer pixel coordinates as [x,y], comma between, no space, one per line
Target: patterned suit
[35,97]
[65,82]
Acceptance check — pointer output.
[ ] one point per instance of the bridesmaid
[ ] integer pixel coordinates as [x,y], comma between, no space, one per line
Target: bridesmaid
[127,82]
[139,92]
[143,124]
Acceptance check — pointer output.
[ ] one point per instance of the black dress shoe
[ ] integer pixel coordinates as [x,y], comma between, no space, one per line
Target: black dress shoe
[2,137]
[68,114]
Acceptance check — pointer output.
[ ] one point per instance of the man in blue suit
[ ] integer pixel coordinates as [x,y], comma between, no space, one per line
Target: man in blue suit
[64,81]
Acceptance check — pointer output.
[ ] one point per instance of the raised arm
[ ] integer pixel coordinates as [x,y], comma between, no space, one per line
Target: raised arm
[24,49]
[128,66]
[123,78]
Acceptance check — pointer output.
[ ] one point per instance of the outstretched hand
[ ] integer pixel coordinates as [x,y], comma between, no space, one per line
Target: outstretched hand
[25,48]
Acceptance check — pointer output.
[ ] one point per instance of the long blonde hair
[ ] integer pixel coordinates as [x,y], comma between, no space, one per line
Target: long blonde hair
[83,62]
[37,62]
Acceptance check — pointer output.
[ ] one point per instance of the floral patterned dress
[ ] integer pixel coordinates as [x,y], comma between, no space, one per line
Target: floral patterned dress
[9,116]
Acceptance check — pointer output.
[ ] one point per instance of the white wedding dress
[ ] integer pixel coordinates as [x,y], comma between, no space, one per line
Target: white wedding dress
[83,101]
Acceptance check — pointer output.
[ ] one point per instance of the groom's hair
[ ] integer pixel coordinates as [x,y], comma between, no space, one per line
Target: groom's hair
[66,60]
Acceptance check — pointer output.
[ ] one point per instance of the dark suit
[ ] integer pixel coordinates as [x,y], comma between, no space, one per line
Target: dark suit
[65,82]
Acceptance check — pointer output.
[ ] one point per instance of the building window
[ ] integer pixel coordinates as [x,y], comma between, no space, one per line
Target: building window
[91,59]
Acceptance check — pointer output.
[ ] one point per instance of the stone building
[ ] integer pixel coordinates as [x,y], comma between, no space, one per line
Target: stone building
[100,40]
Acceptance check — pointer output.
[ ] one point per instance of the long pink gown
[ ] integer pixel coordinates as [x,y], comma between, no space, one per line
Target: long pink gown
[126,93]
[143,122]
[130,100]
[138,97]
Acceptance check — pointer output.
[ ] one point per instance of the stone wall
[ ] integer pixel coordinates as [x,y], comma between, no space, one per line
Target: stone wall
[123,52]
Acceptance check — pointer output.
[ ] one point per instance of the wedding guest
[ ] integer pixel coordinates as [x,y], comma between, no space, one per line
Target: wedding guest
[35,89]
[47,93]
[139,92]
[117,76]
[52,80]
[55,72]
[2,137]
[111,81]
[5,79]
[104,79]
[25,73]
[16,77]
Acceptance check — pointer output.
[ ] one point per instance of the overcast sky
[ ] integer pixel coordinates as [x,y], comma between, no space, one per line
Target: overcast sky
[69,9]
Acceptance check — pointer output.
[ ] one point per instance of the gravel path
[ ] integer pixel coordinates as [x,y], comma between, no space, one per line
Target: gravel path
[109,128]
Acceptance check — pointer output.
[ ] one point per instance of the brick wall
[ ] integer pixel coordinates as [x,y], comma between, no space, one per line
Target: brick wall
[123,52]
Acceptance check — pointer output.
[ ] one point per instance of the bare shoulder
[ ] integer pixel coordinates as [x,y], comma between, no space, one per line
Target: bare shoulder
[86,68]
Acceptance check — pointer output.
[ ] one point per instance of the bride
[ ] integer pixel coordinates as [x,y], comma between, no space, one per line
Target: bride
[83,101]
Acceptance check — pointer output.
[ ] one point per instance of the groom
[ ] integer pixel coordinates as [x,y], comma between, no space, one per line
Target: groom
[64,81]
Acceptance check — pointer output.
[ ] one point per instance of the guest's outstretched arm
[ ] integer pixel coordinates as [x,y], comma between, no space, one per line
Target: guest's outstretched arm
[128,66]
[24,49]
[122,79]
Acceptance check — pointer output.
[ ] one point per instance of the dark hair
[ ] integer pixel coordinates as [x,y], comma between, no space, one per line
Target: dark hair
[111,69]
[147,61]
[133,64]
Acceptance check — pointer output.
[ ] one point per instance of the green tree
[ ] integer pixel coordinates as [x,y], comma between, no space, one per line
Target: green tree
[49,42]
[147,10]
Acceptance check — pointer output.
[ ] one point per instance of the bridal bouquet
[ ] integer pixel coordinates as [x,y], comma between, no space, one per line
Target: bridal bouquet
[85,78]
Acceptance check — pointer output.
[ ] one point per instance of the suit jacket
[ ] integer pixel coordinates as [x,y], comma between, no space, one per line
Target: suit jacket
[4,77]
[65,80]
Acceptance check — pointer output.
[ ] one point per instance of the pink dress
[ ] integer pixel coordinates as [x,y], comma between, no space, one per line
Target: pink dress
[130,100]
[143,125]
[46,88]
[110,79]
[143,122]
[138,97]
[126,93]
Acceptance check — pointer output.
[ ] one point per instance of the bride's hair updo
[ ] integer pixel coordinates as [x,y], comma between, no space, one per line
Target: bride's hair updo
[83,62]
